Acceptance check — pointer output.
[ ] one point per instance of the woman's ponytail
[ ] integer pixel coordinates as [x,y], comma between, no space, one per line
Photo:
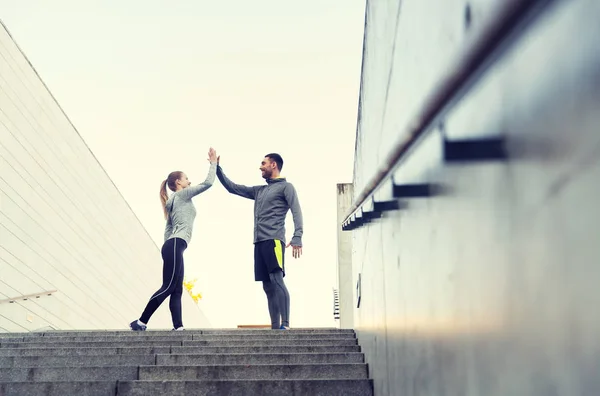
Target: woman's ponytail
[170,182]
[164,197]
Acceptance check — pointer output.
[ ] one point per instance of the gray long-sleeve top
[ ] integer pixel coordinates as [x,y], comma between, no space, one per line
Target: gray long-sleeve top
[181,210]
[271,204]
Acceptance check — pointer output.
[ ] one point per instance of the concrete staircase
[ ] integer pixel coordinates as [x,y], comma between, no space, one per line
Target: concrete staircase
[193,362]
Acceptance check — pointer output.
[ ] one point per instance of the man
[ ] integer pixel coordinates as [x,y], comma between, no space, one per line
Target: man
[271,204]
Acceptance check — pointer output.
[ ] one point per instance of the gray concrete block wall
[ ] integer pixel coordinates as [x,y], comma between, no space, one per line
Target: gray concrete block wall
[491,288]
[64,226]
[408,47]
[344,259]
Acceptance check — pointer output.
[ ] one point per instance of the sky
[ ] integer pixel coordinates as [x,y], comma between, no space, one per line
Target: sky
[151,85]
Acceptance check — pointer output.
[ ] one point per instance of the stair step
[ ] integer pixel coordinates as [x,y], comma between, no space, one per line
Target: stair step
[62,340]
[272,342]
[77,361]
[221,343]
[259,358]
[157,373]
[258,371]
[280,336]
[97,344]
[269,331]
[180,350]
[11,339]
[101,333]
[79,388]
[343,387]
[177,360]
[195,362]
[52,374]
[91,351]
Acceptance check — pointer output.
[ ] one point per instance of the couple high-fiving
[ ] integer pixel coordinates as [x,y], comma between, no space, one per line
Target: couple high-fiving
[271,204]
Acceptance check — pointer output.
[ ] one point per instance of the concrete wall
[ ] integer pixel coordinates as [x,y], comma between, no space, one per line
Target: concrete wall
[64,227]
[408,46]
[345,280]
[492,287]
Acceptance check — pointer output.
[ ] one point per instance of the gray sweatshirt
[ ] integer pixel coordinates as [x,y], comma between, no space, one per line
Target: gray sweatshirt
[181,210]
[271,204]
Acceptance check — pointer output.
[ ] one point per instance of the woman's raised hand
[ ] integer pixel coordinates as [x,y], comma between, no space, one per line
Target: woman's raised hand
[212,155]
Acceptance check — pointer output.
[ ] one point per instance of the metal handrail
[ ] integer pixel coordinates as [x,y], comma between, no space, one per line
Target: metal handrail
[464,69]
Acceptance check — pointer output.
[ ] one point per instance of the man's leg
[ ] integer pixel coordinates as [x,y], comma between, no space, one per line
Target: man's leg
[282,297]
[270,290]
[263,258]
[276,275]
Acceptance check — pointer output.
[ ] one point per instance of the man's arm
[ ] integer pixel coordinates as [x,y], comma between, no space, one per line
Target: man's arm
[237,189]
[192,191]
[292,199]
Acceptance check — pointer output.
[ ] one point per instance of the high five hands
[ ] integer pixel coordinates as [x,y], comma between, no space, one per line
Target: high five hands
[296,250]
[212,155]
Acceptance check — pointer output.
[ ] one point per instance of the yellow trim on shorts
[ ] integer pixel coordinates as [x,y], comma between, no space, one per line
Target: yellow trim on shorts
[279,253]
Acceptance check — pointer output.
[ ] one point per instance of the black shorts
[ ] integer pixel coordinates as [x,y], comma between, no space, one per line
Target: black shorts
[268,257]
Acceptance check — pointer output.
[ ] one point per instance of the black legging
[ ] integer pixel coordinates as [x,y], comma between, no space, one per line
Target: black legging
[172,254]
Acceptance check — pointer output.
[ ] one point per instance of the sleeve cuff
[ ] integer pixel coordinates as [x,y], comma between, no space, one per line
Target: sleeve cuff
[296,241]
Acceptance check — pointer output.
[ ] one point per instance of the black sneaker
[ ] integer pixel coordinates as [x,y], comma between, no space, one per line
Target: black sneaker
[135,326]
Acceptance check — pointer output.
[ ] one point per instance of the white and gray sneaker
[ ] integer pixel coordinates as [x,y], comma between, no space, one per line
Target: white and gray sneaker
[178,329]
[136,325]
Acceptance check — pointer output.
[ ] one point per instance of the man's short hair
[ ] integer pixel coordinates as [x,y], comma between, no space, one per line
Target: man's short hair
[277,159]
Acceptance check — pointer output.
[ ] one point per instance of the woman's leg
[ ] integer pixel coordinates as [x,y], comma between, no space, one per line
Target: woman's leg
[169,255]
[175,300]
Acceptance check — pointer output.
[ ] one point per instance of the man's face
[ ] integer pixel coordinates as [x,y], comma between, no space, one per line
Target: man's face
[266,168]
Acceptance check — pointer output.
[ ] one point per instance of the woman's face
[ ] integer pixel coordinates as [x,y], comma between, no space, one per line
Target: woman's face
[183,181]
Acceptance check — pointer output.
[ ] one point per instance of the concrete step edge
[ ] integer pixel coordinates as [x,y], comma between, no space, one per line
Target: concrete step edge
[179,346]
[246,365]
[116,344]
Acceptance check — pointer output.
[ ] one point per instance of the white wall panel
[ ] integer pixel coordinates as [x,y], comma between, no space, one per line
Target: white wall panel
[63,224]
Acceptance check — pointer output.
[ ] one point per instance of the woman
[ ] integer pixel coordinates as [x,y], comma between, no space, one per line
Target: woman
[179,213]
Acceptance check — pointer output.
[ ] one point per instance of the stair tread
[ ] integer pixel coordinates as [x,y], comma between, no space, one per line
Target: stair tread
[198,362]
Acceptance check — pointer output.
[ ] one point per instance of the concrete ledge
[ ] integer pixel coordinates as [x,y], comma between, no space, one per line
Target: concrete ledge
[167,332]
[262,371]
[348,387]
[283,335]
[146,338]
[259,358]
[269,331]
[271,342]
[169,343]
[90,344]
[80,388]
[76,361]
[46,374]
[95,351]
[13,339]
[260,349]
